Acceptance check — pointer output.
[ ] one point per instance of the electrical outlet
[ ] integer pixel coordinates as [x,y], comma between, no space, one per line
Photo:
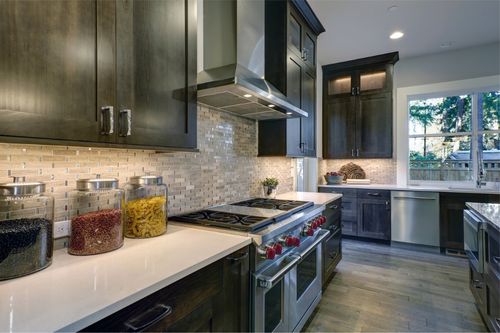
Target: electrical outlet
[61,229]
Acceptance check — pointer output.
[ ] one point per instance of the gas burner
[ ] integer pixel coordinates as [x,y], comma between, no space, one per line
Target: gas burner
[285,205]
[223,219]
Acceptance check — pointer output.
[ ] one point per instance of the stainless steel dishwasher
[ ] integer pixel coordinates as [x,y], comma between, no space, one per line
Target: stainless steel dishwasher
[415,217]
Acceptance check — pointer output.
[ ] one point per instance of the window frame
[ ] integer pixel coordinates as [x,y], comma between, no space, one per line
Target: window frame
[442,89]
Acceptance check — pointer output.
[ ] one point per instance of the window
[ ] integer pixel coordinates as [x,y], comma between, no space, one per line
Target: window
[454,137]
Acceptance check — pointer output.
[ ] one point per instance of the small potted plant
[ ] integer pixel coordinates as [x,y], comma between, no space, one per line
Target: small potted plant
[270,187]
[334,177]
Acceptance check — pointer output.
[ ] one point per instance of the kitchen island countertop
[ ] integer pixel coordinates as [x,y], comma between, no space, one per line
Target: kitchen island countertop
[316,197]
[76,291]
[490,212]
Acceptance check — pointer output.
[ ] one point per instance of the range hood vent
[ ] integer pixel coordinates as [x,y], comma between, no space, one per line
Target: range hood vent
[231,59]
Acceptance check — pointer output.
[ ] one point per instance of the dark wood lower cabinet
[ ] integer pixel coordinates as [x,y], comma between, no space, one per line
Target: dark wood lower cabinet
[374,218]
[332,246]
[365,213]
[213,299]
[451,209]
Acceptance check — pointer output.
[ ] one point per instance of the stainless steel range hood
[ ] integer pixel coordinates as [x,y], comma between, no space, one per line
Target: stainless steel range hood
[231,60]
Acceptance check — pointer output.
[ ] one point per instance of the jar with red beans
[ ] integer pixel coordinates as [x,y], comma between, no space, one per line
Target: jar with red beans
[96,216]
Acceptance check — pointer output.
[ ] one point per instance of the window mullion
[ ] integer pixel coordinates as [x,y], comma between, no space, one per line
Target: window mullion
[474,139]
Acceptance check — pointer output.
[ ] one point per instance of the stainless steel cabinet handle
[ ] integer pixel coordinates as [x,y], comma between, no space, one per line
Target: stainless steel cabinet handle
[148,318]
[352,152]
[353,91]
[373,194]
[357,152]
[125,122]
[357,90]
[333,207]
[107,120]
[477,284]
[496,259]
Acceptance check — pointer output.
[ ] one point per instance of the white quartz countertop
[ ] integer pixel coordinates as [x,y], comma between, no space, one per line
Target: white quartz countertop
[489,211]
[317,198]
[75,292]
[394,187]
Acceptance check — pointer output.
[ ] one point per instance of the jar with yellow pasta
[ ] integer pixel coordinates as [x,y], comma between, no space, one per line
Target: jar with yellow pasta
[145,207]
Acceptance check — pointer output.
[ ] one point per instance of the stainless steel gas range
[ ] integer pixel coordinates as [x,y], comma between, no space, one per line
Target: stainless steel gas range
[286,259]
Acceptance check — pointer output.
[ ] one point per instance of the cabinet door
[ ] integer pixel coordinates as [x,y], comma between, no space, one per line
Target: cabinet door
[236,293]
[51,50]
[374,80]
[339,84]
[295,32]
[294,94]
[308,125]
[374,126]
[338,127]
[309,49]
[156,72]
[374,219]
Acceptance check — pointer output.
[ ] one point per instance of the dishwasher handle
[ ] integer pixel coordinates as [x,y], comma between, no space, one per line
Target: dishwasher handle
[415,198]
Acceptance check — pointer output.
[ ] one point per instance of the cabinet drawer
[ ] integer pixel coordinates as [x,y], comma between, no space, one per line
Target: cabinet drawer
[346,192]
[349,209]
[170,305]
[374,194]
[349,227]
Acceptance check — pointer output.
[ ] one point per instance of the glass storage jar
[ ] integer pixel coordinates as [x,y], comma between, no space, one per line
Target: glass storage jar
[145,207]
[26,228]
[96,216]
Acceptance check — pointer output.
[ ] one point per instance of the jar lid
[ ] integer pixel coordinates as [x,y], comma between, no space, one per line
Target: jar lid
[146,180]
[20,187]
[97,183]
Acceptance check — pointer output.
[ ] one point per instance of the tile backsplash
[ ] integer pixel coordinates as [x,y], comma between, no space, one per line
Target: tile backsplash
[225,169]
[380,171]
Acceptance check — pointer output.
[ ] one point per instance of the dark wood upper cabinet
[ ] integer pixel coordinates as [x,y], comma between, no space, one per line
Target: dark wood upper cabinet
[357,108]
[111,73]
[48,69]
[291,33]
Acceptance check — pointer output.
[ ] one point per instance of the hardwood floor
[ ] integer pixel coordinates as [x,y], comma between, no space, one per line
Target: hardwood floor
[385,289]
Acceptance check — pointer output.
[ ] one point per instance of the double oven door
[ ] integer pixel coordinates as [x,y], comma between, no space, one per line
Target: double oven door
[286,292]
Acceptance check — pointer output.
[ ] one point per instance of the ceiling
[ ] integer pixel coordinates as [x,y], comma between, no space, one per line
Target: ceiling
[361,28]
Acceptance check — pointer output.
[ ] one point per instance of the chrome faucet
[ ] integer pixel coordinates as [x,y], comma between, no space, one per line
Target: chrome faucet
[480,179]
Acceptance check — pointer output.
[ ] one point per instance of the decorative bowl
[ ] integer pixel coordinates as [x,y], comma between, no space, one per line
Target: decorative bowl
[332,180]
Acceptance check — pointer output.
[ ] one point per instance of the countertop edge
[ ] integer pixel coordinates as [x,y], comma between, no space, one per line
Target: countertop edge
[394,187]
[311,195]
[112,308]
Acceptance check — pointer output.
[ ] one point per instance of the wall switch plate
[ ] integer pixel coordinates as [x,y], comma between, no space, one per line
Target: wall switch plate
[61,229]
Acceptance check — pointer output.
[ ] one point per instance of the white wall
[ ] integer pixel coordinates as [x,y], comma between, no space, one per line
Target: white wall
[478,61]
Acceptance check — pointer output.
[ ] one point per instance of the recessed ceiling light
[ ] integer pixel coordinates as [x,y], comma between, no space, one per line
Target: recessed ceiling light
[271,105]
[396,35]
[247,95]
[392,8]
[288,113]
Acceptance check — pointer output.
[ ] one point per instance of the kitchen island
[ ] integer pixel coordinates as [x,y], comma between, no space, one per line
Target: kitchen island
[75,292]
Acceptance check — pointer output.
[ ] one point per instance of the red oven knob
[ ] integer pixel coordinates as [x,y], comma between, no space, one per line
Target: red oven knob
[309,231]
[289,241]
[270,253]
[278,248]
[296,241]
[322,220]
[316,223]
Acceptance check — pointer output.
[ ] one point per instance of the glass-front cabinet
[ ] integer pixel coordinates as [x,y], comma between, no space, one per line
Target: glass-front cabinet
[360,82]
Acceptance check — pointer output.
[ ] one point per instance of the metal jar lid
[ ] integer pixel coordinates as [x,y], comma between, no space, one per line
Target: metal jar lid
[146,180]
[20,187]
[98,183]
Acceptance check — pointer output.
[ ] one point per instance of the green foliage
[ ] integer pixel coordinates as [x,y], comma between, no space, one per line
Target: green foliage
[416,156]
[271,182]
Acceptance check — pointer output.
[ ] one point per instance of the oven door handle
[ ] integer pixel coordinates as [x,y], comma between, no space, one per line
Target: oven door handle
[267,282]
[322,234]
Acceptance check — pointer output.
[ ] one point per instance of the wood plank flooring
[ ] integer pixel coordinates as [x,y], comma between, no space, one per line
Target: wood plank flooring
[379,288]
